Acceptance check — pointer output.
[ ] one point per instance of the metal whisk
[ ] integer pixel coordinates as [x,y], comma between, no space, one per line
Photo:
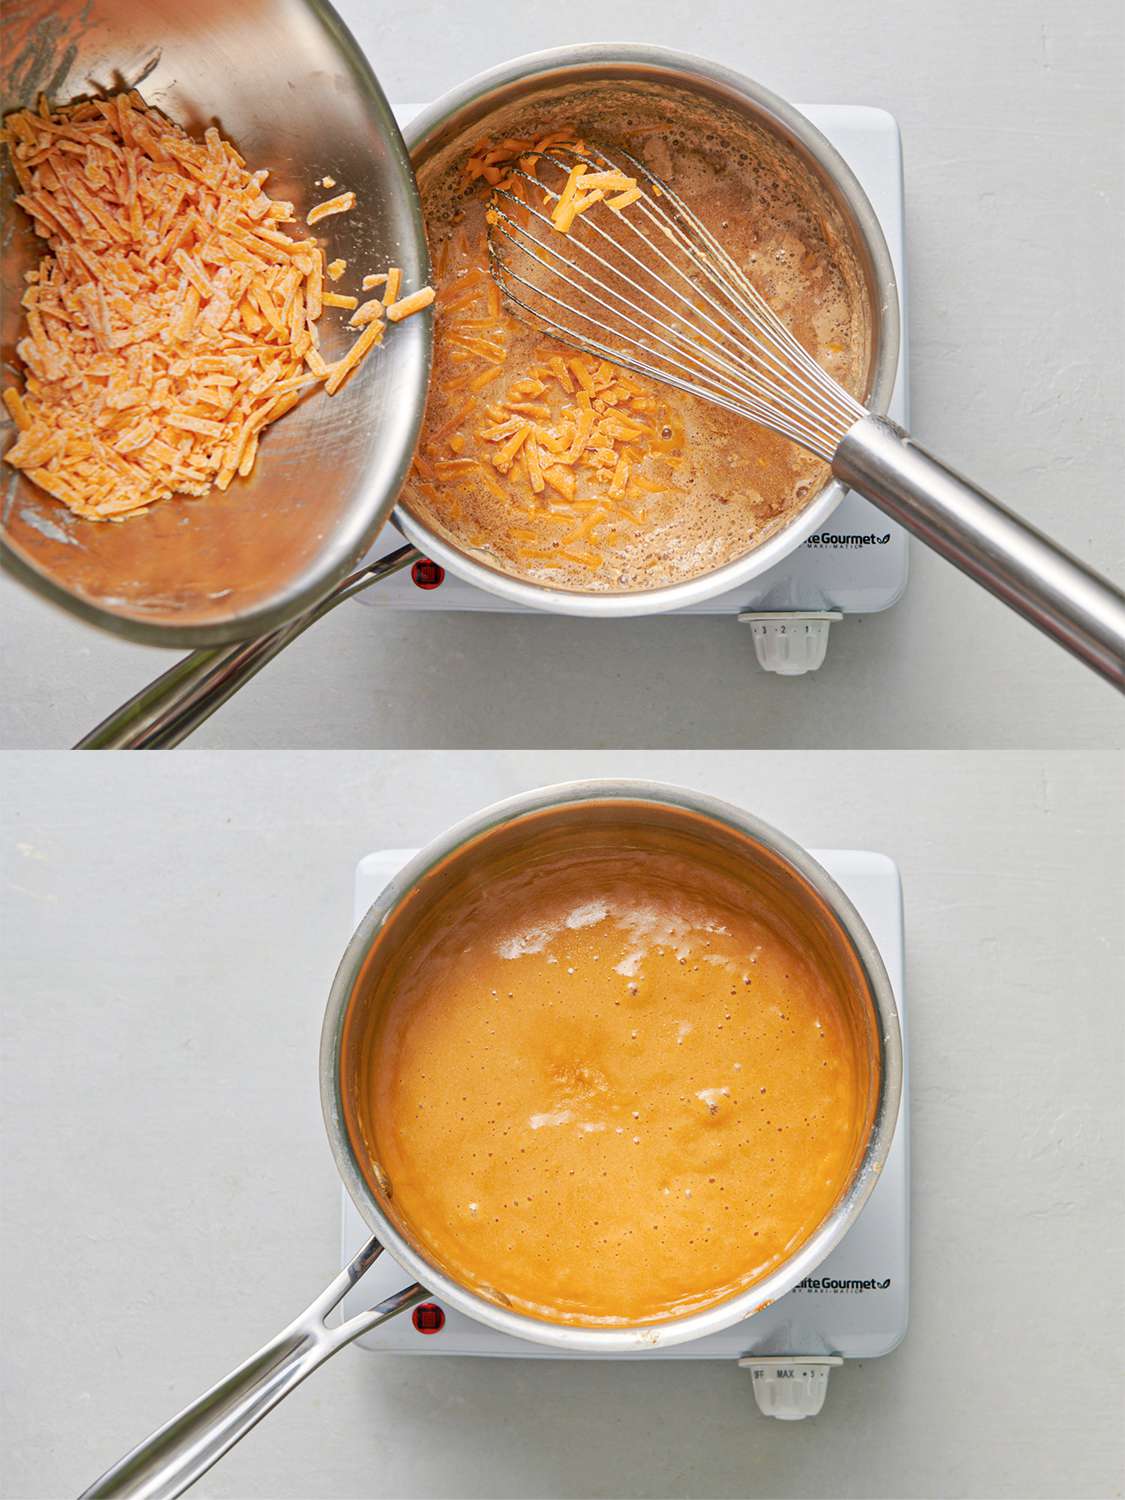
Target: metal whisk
[649,287]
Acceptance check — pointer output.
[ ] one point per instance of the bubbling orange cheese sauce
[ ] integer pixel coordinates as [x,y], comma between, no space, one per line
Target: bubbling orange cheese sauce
[611,1090]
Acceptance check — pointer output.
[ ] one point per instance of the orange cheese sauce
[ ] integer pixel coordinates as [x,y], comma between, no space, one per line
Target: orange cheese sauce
[611,1090]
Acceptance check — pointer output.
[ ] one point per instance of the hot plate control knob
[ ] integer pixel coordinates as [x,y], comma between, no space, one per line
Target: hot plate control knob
[790,1389]
[790,642]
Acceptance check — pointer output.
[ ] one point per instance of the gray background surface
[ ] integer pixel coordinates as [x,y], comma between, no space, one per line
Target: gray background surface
[170,930]
[1012,120]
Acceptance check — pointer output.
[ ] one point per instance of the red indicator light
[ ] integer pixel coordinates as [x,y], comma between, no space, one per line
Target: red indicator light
[427,574]
[428,1318]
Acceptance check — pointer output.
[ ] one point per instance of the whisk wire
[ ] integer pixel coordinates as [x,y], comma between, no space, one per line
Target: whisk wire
[763,365]
[719,338]
[694,366]
[736,288]
[746,296]
[756,411]
[728,360]
[731,399]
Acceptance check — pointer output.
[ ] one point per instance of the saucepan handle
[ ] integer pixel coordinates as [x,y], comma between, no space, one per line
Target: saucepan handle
[175,704]
[1064,598]
[177,1454]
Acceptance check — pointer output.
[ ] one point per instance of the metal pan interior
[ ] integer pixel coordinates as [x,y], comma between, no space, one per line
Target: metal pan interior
[284,80]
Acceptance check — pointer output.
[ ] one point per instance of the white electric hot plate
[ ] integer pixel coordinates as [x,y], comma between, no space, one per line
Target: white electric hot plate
[857,564]
[854,1307]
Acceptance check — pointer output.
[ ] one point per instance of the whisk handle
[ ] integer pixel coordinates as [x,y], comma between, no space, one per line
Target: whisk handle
[1064,598]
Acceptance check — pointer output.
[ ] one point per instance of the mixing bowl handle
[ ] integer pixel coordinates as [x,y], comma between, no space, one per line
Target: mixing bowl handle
[181,1451]
[1065,599]
[174,705]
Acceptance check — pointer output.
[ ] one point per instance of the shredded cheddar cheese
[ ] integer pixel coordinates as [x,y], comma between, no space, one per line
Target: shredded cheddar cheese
[416,301]
[583,188]
[566,208]
[365,312]
[569,442]
[16,409]
[391,284]
[341,204]
[371,335]
[622,200]
[174,318]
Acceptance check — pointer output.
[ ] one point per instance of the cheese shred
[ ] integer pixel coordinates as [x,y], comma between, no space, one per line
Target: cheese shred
[341,204]
[560,439]
[173,319]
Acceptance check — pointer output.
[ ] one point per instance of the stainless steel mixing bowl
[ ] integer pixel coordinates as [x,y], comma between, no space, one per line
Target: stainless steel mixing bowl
[285,80]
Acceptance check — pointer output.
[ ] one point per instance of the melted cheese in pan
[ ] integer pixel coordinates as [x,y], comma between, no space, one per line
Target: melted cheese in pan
[611,1091]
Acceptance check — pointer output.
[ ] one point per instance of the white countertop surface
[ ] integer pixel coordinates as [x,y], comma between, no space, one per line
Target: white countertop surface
[171,926]
[1012,122]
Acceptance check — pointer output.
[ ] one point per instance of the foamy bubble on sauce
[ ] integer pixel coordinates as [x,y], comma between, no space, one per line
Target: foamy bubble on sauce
[643,926]
[552,1117]
[588,915]
[649,927]
[521,944]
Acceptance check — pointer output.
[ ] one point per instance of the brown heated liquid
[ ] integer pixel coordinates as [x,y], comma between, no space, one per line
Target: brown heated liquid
[711,486]
[609,1100]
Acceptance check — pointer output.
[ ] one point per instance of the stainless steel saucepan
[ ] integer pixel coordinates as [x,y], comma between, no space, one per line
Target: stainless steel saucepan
[784,878]
[169,709]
